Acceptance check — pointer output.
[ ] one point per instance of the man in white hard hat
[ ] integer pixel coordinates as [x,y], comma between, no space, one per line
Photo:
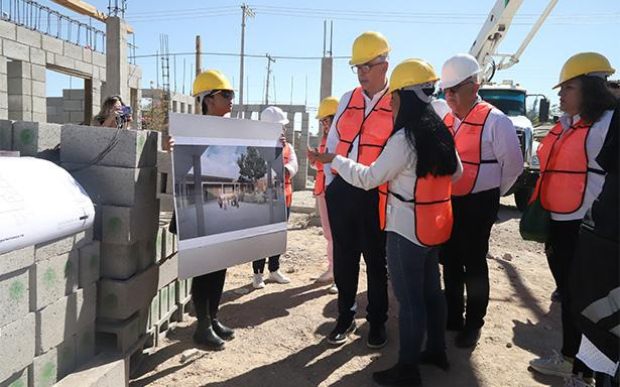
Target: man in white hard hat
[276,115]
[492,161]
[361,127]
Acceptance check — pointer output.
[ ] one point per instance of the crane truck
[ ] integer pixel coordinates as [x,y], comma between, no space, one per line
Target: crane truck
[507,96]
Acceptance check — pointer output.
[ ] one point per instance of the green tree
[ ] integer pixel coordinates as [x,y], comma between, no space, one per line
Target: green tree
[252,166]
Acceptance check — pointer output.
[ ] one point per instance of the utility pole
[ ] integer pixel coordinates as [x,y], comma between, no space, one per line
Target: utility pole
[269,60]
[197,107]
[249,12]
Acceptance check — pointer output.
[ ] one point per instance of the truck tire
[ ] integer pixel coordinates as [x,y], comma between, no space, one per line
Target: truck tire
[522,197]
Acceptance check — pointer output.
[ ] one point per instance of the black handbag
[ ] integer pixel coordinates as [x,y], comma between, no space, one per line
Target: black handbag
[534,224]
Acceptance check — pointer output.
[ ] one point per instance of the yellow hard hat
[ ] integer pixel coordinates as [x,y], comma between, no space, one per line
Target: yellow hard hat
[368,46]
[584,63]
[328,107]
[210,80]
[412,72]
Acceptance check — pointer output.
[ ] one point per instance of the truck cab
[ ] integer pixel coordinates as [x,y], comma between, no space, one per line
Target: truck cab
[511,100]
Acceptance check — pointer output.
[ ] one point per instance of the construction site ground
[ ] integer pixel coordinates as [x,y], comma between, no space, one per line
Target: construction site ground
[281,329]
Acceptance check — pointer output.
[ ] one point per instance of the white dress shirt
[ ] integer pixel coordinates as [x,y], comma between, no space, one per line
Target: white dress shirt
[396,164]
[292,167]
[333,139]
[594,144]
[499,142]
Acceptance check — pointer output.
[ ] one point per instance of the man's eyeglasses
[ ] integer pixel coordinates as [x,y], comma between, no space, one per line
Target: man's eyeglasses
[365,68]
[457,88]
[227,94]
[326,121]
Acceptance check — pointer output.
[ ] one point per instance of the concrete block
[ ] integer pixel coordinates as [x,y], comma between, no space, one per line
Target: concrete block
[73,105]
[106,370]
[99,59]
[115,185]
[37,56]
[39,104]
[30,138]
[80,144]
[19,379]
[83,67]
[164,162]
[87,55]
[16,260]
[39,117]
[126,225]
[45,369]
[120,299]
[53,279]
[52,44]
[166,202]
[8,30]
[66,356]
[29,37]
[14,296]
[147,253]
[76,117]
[50,57]
[17,346]
[17,51]
[168,271]
[85,345]
[64,61]
[62,245]
[56,323]
[73,51]
[164,306]
[86,307]
[4,84]
[122,334]
[89,264]
[119,261]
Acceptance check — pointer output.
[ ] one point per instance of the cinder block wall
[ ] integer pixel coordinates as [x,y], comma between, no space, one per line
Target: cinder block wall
[111,288]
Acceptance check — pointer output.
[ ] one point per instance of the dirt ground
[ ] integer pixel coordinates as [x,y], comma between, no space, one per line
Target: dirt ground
[280,329]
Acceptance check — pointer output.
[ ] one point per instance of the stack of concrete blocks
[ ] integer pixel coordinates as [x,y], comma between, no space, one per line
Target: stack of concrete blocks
[118,170]
[165,190]
[299,181]
[29,138]
[51,292]
[73,106]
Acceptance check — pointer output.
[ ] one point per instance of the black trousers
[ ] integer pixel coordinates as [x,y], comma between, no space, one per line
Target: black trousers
[561,250]
[274,262]
[206,294]
[464,257]
[354,220]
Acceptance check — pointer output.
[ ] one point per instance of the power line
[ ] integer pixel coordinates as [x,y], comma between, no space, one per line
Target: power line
[232,54]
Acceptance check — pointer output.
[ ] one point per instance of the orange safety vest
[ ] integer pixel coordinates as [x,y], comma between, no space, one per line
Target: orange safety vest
[288,188]
[373,131]
[433,209]
[563,168]
[319,184]
[468,141]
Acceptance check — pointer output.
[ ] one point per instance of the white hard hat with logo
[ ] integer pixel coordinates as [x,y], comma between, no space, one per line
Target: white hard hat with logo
[457,69]
[274,114]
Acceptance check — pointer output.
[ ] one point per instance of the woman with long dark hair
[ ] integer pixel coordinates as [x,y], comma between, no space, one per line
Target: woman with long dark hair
[571,179]
[419,161]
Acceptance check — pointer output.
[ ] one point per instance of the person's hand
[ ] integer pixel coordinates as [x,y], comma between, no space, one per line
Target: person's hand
[315,155]
[169,144]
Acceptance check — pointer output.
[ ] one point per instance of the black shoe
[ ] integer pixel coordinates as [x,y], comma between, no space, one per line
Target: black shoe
[377,337]
[205,335]
[340,334]
[437,359]
[399,375]
[556,296]
[222,330]
[467,338]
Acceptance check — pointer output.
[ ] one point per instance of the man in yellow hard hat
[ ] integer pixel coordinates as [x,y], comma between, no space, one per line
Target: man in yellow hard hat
[488,146]
[361,128]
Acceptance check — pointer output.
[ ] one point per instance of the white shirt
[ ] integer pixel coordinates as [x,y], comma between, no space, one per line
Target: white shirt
[292,167]
[396,164]
[499,142]
[594,144]
[332,137]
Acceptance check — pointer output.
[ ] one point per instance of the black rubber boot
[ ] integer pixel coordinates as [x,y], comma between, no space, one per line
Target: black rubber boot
[205,335]
[437,359]
[222,330]
[399,375]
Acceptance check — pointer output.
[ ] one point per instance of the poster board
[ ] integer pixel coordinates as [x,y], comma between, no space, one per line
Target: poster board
[228,178]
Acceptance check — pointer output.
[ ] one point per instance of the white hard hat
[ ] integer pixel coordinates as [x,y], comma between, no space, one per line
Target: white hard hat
[274,114]
[457,69]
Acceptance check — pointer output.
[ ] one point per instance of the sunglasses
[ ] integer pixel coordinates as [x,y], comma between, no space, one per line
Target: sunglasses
[455,89]
[227,94]
[326,121]
[365,68]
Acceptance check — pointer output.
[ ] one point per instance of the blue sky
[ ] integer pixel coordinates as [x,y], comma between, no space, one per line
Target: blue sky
[430,30]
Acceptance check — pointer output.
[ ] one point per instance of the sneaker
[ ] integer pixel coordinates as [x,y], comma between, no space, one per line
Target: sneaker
[328,276]
[333,289]
[578,381]
[258,282]
[341,333]
[554,365]
[278,277]
[377,337]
